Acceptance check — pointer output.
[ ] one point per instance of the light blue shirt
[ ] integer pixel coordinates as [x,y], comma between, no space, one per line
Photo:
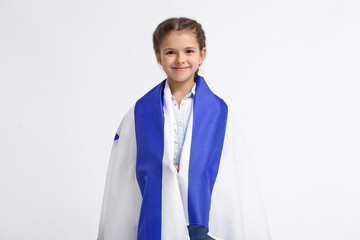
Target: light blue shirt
[182,116]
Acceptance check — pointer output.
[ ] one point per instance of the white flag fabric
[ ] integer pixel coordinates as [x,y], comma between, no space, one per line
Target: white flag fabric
[146,198]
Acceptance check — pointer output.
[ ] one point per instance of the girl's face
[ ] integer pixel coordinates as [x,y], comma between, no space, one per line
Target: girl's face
[180,56]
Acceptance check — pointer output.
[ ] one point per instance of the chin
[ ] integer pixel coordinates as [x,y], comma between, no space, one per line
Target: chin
[181,78]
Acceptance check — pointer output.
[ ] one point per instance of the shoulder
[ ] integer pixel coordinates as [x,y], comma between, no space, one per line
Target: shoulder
[151,95]
[207,97]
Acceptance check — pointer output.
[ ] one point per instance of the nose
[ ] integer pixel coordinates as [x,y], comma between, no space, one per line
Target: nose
[180,58]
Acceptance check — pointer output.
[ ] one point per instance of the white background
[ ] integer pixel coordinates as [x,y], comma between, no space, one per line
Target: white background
[70,70]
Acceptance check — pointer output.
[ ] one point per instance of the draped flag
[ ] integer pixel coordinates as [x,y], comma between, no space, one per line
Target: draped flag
[146,198]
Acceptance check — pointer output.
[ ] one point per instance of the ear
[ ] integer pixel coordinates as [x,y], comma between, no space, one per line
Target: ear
[158,58]
[202,55]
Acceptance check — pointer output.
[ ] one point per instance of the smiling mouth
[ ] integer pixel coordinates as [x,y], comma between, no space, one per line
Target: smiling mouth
[180,68]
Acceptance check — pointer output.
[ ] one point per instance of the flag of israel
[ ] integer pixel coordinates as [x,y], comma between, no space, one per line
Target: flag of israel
[146,198]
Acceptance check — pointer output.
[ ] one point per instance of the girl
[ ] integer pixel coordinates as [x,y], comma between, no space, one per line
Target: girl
[179,168]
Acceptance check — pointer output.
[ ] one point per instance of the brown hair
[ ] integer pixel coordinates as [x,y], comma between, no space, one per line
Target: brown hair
[178,24]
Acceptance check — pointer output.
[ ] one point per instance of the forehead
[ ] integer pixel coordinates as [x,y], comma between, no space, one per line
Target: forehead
[180,39]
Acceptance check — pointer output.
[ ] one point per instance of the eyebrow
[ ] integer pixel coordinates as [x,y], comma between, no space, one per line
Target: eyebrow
[175,49]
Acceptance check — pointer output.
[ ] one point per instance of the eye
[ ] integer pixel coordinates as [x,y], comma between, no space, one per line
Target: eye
[190,51]
[170,52]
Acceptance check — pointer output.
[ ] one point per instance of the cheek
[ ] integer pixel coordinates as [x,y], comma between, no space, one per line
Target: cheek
[166,62]
[197,61]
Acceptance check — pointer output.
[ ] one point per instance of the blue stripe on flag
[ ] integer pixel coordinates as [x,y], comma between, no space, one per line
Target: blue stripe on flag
[149,129]
[209,125]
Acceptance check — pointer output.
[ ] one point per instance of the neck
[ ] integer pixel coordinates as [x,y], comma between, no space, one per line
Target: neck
[180,89]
